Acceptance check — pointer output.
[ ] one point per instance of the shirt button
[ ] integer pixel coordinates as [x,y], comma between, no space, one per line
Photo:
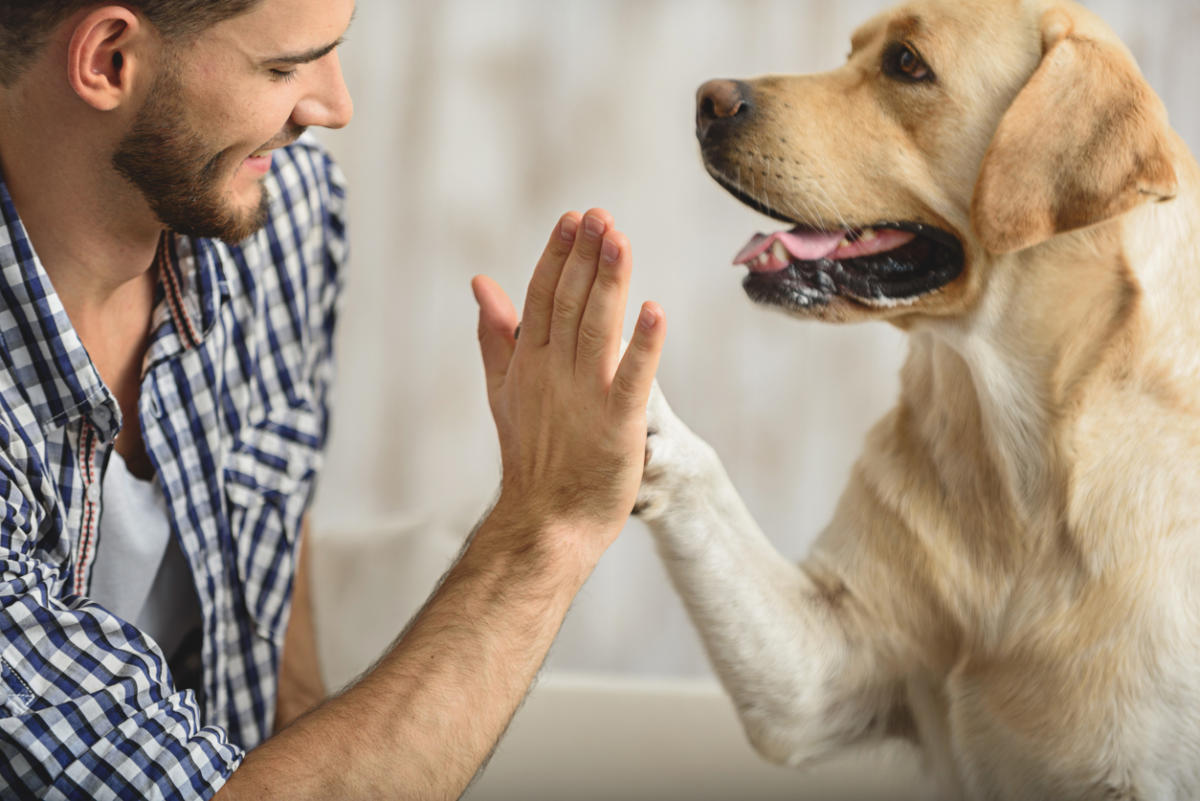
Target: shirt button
[93,492]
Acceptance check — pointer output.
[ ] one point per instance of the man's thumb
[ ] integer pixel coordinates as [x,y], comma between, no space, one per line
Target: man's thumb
[497,324]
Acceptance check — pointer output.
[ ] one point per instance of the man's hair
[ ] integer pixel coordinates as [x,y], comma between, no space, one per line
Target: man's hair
[25,24]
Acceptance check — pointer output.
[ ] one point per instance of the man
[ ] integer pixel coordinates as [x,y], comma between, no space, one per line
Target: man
[170,252]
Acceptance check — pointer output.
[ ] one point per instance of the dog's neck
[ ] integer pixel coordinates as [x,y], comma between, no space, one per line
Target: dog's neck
[1057,324]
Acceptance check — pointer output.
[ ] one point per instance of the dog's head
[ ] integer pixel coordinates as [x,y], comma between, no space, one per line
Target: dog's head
[958,131]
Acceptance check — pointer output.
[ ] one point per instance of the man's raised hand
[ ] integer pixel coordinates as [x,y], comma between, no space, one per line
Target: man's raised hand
[570,410]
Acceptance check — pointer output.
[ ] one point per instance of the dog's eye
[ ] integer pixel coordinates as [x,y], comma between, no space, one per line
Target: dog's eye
[903,62]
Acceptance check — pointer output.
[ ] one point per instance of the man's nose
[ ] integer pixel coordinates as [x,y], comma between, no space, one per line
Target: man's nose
[721,104]
[328,104]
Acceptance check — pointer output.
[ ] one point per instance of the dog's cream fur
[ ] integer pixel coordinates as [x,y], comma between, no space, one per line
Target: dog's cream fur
[1012,577]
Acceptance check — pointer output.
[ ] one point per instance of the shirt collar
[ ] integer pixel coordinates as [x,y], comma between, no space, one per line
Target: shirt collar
[42,350]
[43,354]
[192,288]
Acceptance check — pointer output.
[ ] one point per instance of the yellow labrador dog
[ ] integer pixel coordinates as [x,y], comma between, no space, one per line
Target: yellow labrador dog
[1012,577]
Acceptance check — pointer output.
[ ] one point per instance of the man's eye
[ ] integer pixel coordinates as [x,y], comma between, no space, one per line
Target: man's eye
[283,75]
[903,62]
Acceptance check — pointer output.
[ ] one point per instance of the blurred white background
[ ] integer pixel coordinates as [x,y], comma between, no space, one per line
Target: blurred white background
[478,123]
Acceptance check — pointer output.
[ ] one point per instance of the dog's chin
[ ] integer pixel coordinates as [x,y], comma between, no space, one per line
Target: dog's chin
[923,260]
[890,280]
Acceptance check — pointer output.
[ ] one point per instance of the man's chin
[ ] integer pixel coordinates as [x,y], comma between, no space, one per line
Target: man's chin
[243,228]
[229,225]
[247,222]
[237,234]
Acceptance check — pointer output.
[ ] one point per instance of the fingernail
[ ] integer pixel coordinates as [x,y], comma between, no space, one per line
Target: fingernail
[648,318]
[568,228]
[610,251]
[593,226]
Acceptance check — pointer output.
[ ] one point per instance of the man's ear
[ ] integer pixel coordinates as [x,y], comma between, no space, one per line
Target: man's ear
[100,66]
[1085,140]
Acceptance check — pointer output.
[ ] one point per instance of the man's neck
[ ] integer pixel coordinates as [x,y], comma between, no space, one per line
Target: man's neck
[93,231]
[86,245]
[94,235]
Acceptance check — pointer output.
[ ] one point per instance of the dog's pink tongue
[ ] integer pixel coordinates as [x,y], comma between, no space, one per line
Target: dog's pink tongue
[801,245]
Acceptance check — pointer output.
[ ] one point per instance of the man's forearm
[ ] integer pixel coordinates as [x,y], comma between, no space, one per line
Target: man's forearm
[570,413]
[421,722]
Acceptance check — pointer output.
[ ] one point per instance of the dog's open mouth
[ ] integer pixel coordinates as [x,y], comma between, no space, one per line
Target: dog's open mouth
[886,264]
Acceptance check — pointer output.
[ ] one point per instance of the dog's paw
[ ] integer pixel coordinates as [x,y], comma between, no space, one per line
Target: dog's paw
[671,458]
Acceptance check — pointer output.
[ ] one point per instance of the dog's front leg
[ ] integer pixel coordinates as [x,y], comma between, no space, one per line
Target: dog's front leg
[785,647]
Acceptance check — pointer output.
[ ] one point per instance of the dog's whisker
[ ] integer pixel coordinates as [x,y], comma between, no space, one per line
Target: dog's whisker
[837,178]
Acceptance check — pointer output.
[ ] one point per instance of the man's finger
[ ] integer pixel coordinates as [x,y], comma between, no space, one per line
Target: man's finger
[497,327]
[599,340]
[635,374]
[539,299]
[575,285]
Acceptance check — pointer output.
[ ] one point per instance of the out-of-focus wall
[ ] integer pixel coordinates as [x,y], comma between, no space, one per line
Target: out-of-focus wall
[479,122]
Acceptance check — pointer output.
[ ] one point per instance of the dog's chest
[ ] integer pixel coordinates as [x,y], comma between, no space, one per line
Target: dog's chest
[1109,725]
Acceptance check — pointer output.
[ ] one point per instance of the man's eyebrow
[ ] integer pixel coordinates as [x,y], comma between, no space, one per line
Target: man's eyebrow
[317,53]
[307,56]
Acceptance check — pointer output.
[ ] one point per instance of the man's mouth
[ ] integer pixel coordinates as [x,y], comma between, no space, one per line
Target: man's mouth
[260,160]
[288,137]
[258,163]
[266,150]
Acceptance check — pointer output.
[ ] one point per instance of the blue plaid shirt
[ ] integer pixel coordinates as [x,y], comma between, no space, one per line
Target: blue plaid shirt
[233,408]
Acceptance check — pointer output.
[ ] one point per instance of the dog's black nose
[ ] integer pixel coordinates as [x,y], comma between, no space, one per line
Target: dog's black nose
[720,103]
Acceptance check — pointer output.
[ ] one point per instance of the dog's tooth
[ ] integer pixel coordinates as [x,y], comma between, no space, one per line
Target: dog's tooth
[868,235]
[780,252]
[845,243]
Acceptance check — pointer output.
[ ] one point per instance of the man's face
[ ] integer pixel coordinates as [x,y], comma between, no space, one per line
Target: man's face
[200,145]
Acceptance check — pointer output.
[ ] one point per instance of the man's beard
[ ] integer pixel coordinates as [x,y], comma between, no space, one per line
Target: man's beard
[168,162]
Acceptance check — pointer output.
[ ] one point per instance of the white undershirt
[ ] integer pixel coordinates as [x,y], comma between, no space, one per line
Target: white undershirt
[140,573]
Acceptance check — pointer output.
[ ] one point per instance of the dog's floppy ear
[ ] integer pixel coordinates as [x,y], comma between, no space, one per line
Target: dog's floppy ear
[1085,140]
